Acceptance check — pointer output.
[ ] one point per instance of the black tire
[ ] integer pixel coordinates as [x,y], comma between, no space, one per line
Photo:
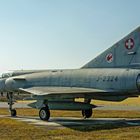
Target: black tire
[13,112]
[87,113]
[44,114]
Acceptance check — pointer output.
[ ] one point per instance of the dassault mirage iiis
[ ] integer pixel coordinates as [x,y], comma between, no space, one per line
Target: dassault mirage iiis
[112,76]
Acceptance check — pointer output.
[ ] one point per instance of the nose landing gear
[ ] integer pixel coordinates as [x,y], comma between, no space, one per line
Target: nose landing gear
[13,112]
[11,103]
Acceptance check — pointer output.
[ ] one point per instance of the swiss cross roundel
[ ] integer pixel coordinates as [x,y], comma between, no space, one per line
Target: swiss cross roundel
[129,44]
[109,58]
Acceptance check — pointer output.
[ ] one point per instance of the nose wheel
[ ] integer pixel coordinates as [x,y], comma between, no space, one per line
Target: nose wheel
[11,103]
[13,112]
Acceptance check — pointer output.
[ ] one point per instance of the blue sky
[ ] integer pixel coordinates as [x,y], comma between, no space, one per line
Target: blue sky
[52,34]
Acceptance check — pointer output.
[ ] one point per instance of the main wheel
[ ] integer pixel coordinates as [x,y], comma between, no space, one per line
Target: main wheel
[13,112]
[87,113]
[44,114]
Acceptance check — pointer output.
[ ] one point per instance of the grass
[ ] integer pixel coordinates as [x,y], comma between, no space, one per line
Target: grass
[11,129]
[3,99]
[129,101]
[14,130]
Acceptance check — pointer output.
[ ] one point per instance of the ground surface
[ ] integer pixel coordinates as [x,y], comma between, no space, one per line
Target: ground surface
[98,129]
[64,125]
[61,126]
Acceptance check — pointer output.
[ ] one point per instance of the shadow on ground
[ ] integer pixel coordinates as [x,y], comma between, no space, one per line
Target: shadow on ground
[83,125]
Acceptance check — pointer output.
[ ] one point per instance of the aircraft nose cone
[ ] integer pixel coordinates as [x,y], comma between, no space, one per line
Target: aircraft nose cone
[10,84]
[14,84]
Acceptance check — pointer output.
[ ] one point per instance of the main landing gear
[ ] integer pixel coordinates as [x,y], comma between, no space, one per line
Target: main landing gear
[87,113]
[44,113]
[10,103]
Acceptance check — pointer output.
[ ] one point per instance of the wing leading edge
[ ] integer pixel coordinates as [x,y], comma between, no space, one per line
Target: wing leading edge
[74,92]
[63,91]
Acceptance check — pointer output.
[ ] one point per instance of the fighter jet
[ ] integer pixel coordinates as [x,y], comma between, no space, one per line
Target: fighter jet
[114,75]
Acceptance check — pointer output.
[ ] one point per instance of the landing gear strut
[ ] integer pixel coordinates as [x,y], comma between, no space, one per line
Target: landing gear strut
[1,94]
[88,112]
[10,103]
[44,113]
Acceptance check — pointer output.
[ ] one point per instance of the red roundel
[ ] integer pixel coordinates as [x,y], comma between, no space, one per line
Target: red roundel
[109,58]
[129,44]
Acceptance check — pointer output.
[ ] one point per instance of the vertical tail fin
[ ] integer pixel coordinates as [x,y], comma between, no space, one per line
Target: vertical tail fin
[123,54]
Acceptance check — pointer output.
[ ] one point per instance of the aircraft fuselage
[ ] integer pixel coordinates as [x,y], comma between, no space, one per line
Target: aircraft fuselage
[123,80]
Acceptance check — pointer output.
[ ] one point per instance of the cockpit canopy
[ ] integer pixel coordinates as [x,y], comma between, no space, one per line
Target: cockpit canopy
[6,74]
[18,72]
